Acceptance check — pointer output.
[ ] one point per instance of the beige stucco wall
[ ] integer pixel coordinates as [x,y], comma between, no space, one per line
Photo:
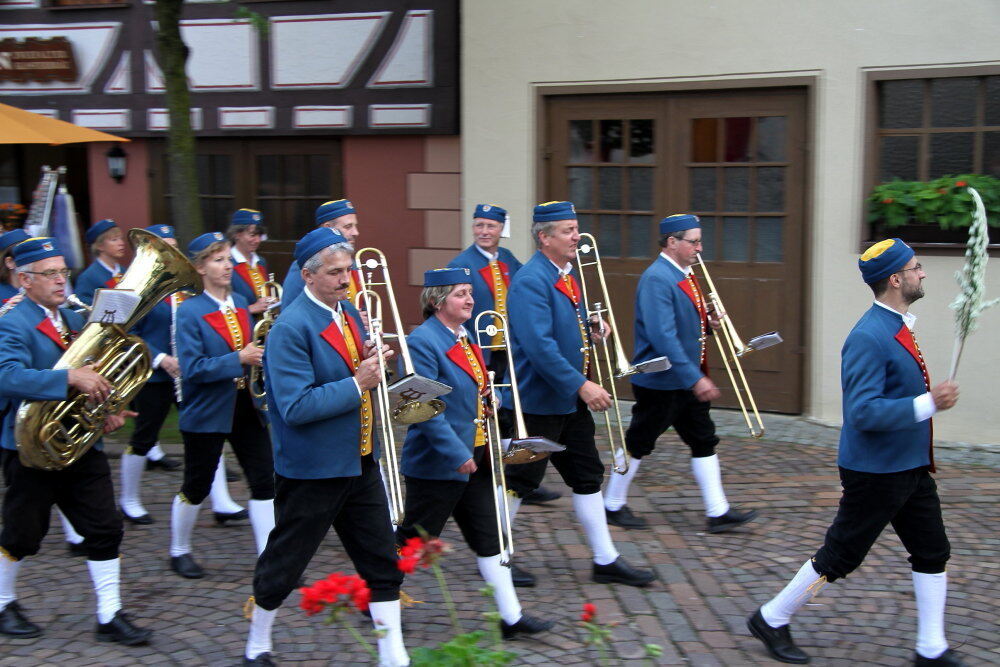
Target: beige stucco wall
[514,49]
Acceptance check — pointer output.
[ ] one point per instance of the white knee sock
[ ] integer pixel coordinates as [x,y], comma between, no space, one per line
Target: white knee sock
[709,476]
[616,495]
[8,580]
[590,512]
[931,591]
[106,575]
[498,576]
[183,516]
[132,467]
[69,531]
[806,584]
[156,453]
[513,505]
[259,639]
[262,521]
[391,651]
[222,502]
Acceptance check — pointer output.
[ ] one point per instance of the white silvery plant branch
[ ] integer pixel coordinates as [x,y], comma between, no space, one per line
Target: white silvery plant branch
[971,280]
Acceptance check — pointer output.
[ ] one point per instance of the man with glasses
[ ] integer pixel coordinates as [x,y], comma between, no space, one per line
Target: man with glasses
[32,338]
[672,319]
[885,460]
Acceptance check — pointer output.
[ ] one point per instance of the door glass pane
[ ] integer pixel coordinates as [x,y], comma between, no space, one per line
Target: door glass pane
[586,222]
[770,189]
[293,176]
[901,103]
[203,165]
[898,158]
[708,238]
[609,237]
[703,188]
[580,187]
[641,141]
[318,183]
[640,236]
[222,175]
[991,153]
[768,240]
[738,139]
[951,154]
[953,101]
[993,100]
[581,141]
[771,138]
[737,189]
[640,188]
[268,183]
[611,141]
[609,183]
[735,240]
[704,140]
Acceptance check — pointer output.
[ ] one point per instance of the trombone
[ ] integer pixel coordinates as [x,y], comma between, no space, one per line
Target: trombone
[732,349]
[269,290]
[612,363]
[412,387]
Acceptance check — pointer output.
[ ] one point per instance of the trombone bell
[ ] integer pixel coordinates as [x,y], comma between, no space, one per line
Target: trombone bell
[532,448]
[414,412]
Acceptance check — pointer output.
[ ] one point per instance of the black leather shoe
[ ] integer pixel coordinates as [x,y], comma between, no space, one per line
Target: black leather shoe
[166,463]
[186,567]
[121,631]
[14,624]
[539,496]
[222,517]
[521,578]
[777,641]
[527,625]
[262,659]
[143,520]
[947,659]
[729,520]
[620,572]
[623,518]
[76,549]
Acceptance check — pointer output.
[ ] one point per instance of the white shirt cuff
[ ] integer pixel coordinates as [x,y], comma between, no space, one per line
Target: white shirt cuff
[158,358]
[923,407]
[360,393]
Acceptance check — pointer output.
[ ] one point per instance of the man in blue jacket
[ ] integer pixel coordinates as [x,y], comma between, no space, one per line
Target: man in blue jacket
[550,344]
[33,336]
[340,216]
[672,320]
[885,462]
[319,376]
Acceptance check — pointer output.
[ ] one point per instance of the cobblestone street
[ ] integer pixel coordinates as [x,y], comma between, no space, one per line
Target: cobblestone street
[696,612]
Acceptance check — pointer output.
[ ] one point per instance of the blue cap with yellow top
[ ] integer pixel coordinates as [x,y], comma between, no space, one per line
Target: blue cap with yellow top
[34,249]
[884,259]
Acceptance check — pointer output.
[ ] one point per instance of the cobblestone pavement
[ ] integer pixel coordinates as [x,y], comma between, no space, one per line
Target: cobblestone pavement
[696,612]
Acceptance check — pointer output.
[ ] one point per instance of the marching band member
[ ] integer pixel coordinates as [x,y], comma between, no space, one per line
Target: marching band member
[551,356]
[885,460]
[10,282]
[326,455]
[445,459]
[672,320]
[214,349]
[340,216]
[34,335]
[245,233]
[108,246]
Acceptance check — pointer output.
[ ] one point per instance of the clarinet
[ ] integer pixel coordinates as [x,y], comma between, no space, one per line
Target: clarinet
[178,392]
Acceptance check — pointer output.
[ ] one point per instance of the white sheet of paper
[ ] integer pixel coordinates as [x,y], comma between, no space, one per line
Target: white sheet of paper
[114,306]
[418,388]
[765,340]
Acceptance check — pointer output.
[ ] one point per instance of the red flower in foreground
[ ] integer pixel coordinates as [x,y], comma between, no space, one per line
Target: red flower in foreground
[887,200]
[589,612]
[960,184]
[338,591]
[420,552]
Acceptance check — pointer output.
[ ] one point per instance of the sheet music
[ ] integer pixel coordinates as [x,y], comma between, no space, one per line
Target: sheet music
[114,306]
[765,340]
[417,388]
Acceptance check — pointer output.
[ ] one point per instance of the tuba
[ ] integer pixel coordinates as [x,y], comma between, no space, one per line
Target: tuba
[269,290]
[52,435]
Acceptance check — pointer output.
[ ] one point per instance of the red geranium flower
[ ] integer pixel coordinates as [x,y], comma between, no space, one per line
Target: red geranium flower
[589,612]
[887,201]
[960,184]
[420,552]
[338,591]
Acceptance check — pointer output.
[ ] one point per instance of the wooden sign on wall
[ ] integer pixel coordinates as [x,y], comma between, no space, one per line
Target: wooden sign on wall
[35,59]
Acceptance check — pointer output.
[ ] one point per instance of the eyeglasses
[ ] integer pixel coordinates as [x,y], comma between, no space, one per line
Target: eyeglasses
[695,242]
[915,267]
[51,273]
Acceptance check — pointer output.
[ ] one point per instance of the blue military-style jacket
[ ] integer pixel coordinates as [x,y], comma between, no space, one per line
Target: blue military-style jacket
[92,278]
[7,291]
[882,371]
[545,319]
[435,448]
[313,401]
[482,280]
[154,329]
[668,324]
[30,346]
[209,363]
[243,283]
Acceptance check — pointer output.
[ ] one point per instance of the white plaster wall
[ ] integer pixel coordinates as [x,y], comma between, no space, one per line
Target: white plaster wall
[512,48]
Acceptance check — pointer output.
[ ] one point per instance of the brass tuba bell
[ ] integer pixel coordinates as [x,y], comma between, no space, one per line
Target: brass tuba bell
[52,435]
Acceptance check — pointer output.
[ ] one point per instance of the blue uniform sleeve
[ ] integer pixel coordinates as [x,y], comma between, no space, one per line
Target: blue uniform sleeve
[241,287]
[293,285]
[86,286]
[534,328]
[294,388]
[17,380]
[437,431]
[655,300]
[196,364]
[863,378]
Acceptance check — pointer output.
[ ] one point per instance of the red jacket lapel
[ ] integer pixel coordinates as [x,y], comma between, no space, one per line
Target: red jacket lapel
[905,338]
[217,321]
[685,286]
[457,355]
[333,336]
[243,269]
[112,282]
[572,293]
[49,329]
[487,275]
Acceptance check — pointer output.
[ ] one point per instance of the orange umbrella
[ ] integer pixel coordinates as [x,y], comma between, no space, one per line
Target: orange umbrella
[18,126]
